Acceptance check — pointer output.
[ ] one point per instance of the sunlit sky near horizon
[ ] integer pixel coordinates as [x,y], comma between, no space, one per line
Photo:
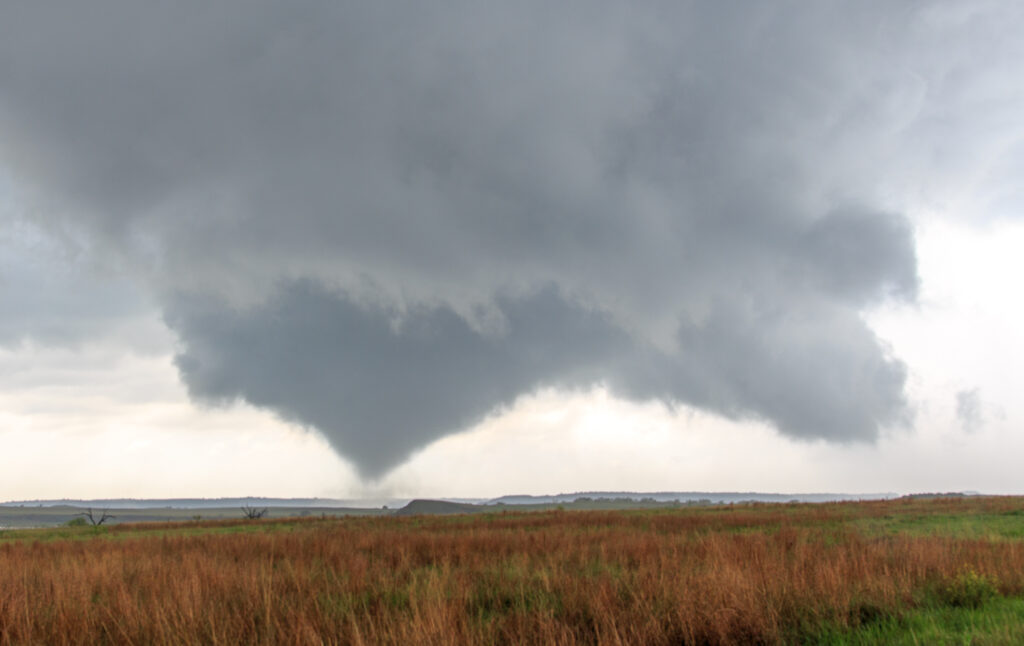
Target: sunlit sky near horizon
[364,252]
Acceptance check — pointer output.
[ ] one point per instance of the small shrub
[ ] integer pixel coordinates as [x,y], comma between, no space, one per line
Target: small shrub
[77,522]
[968,590]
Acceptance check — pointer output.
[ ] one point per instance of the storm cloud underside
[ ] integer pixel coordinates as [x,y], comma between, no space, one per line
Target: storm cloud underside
[385,220]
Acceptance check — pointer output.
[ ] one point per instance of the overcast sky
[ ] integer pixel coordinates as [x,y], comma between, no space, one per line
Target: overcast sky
[396,249]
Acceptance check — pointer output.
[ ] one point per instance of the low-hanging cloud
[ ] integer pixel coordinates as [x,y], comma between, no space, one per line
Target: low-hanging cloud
[969,410]
[380,384]
[384,220]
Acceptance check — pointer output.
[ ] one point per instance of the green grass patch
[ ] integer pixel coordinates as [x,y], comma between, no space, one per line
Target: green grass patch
[987,525]
[997,621]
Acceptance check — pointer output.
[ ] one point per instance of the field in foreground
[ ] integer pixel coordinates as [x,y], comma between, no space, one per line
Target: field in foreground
[904,571]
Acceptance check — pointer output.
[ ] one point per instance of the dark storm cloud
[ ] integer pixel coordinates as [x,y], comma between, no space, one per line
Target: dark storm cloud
[380,386]
[379,383]
[385,219]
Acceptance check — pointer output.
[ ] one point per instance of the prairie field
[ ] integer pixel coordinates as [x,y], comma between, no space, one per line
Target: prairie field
[909,571]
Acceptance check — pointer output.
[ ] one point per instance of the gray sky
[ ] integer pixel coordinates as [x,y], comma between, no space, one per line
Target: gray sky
[379,228]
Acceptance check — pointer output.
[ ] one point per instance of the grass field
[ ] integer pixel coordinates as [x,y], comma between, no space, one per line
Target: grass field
[904,571]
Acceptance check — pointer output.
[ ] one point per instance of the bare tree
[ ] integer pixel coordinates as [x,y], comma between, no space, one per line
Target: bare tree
[104,517]
[252,513]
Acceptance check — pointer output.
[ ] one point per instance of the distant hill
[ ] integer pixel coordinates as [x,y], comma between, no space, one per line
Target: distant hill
[687,496]
[624,500]
[438,507]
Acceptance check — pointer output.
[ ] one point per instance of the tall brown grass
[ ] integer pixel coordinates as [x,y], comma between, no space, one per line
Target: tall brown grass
[764,574]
